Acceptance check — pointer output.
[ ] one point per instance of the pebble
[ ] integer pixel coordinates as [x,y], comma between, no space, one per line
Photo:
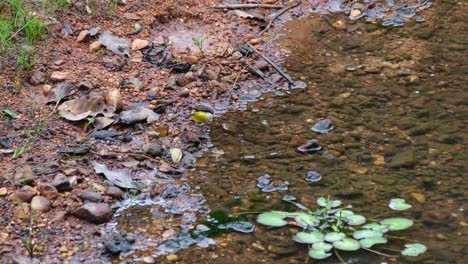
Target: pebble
[115,192]
[82,36]
[254,41]
[190,59]
[97,213]
[40,203]
[258,247]
[58,76]
[3,191]
[354,13]
[340,25]
[95,46]
[61,183]
[419,197]
[46,89]
[139,44]
[149,260]
[37,77]
[91,196]
[172,258]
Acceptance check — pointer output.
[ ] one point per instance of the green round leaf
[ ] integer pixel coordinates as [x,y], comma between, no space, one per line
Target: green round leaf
[355,220]
[397,223]
[304,220]
[322,246]
[370,241]
[318,254]
[414,250]
[376,227]
[347,244]
[322,202]
[360,234]
[274,219]
[328,203]
[399,204]
[344,213]
[334,236]
[309,238]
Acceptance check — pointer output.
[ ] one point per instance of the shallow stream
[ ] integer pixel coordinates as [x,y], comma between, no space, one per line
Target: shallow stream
[397,98]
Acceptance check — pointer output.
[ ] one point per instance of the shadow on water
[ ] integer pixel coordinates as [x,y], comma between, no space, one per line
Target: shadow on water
[397,99]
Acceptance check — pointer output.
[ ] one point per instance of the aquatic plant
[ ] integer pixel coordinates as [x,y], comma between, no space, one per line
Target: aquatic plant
[333,227]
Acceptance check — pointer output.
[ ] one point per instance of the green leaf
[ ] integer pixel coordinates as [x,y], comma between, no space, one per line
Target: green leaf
[334,236]
[414,250]
[309,238]
[305,220]
[370,241]
[355,220]
[397,223]
[347,244]
[366,234]
[318,254]
[376,227]
[322,246]
[10,113]
[399,204]
[344,213]
[275,219]
[328,203]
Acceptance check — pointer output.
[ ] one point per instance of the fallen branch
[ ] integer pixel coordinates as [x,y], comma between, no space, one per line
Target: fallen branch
[280,12]
[284,75]
[237,6]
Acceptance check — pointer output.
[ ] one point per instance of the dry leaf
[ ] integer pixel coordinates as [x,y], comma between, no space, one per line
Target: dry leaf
[176,154]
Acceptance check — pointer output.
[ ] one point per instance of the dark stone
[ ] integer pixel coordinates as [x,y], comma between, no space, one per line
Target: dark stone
[115,192]
[91,196]
[97,213]
[404,159]
[61,183]
[118,245]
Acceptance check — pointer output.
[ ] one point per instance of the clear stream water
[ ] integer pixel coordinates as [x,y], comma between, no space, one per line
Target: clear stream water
[398,100]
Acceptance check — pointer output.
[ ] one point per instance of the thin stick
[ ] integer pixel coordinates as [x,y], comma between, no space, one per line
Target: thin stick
[236,6]
[338,256]
[380,253]
[280,12]
[402,238]
[288,79]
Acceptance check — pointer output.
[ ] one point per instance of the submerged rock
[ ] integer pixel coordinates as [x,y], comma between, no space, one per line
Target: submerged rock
[313,176]
[404,159]
[323,126]
[311,147]
[118,245]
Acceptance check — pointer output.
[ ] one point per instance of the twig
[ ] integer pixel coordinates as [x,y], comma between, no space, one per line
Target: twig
[286,77]
[338,256]
[280,12]
[380,253]
[236,6]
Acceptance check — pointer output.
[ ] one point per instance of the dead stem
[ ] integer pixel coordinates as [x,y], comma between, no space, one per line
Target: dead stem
[339,256]
[380,253]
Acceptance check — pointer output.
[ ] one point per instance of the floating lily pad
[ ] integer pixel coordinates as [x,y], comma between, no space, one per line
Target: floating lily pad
[305,220]
[334,236]
[318,254]
[322,246]
[414,250]
[347,244]
[355,220]
[399,204]
[397,223]
[328,203]
[275,219]
[377,227]
[344,213]
[370,241]
[366,233]
[309,238]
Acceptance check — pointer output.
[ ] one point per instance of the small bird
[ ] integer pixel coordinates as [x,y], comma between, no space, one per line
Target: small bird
[201,116]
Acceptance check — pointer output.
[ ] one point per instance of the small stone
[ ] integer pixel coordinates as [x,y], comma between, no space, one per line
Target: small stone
[58,76]
[48,191]
[190,59]
[413,79]
[82,36]
[359,170]
[379,160]
[59,216]
[354,13]
[139,44]
[115,192]
[61,183]
[419,197]
[405,159]
[172,258]
[153,149]
[69,171]
[40,203]
[149,260]
[22,212]
[91,196]
[3,191]
[97,213]
[262,65]
[254,41]
[95,46]
[441,236]
[258,247]
[340,25]
[280,251]
[25,194]
[46,89]
[118,245]
[212,74]
[37,77]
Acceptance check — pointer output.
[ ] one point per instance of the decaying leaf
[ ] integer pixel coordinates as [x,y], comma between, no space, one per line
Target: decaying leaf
[60,92]
[115,44]
[102,122]
[176,154]
[119,178]
[89,105]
